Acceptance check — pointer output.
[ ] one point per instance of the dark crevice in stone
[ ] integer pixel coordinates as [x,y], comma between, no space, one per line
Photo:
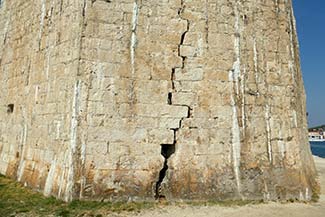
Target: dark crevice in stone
[189,112]
[169,100]
[172,77]
[10,108]
[166,151]
[183,37]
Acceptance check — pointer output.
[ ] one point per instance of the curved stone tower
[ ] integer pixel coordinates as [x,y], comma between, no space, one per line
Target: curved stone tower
[142,99]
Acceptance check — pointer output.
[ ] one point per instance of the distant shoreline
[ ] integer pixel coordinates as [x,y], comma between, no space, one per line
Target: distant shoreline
[318,149]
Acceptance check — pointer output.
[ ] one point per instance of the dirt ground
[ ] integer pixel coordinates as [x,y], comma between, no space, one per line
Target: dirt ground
[260,210]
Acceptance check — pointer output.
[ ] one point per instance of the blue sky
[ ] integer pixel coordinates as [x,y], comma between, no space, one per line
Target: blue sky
[310,16]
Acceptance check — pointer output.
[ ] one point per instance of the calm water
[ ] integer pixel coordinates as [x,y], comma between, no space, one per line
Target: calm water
[318,148]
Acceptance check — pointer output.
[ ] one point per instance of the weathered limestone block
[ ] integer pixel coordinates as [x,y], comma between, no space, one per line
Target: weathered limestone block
[140,100]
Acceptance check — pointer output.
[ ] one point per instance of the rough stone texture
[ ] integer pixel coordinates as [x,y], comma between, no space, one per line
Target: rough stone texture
[94,92]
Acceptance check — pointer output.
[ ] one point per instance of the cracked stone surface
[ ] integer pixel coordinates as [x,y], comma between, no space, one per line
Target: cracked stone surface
[92,91]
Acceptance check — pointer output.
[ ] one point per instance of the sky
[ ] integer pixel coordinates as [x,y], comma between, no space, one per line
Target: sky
[310,17]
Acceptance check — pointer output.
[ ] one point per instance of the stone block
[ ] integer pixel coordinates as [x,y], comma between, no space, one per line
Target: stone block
[169,123]
[193,74]
[184,98]
[171,111]
[187,51]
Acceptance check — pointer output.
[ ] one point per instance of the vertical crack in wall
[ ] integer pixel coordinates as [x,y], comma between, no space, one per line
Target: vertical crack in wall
[168,149]
[234,76]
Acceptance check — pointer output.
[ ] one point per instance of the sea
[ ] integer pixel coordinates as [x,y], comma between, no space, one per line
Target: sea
[318,148]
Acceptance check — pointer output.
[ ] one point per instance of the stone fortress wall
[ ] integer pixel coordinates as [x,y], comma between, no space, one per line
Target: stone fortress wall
[139,99]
